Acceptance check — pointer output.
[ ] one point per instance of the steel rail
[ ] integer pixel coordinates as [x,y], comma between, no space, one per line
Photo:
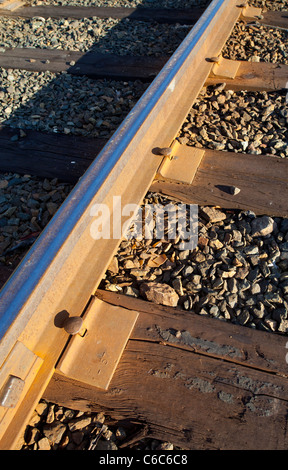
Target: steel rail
[65,265]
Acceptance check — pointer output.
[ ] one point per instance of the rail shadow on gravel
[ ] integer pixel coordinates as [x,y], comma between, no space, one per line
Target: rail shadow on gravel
[53,126]
[78,105]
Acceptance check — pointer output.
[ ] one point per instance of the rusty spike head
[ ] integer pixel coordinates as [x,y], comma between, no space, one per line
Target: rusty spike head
[73,325]
[215,60]
[165,151]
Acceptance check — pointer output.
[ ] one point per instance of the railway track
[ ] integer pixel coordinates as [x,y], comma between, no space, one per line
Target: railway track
[128,351]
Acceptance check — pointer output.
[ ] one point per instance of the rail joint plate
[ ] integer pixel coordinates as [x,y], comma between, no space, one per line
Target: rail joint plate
[92,358]
[181,165]
[225,68]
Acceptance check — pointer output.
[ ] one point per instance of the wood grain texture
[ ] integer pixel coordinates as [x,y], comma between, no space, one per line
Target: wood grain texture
[184,395]
[251,76]
[255,76]
[238,344]
[277,19]
[194,403]
[262,180]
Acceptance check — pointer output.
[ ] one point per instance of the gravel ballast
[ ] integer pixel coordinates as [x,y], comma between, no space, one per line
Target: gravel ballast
[246,122]
[257,43]
[85,107]
[27,204]
[238,271]
[266,4]
[109,36]
[269,4]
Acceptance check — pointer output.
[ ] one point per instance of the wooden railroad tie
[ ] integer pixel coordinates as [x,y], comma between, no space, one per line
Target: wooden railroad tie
[234,379]
[159,15]
[250,76]
[261,179]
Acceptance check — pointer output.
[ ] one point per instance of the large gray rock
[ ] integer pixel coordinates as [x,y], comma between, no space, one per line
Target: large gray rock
[262,226]
[159,293]
[211,214]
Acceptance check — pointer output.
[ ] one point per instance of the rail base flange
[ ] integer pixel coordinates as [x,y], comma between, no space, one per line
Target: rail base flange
[225,68]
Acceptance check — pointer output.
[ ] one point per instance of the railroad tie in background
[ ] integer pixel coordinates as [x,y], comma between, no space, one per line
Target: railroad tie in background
[66,340]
